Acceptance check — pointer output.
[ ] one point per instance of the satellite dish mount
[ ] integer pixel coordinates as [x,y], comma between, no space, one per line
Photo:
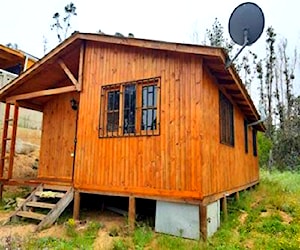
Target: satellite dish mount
[246,25]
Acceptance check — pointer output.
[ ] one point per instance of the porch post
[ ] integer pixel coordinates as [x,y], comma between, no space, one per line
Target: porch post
[1,191]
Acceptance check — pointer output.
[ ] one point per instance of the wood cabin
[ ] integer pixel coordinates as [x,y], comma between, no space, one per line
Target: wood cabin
[141,119]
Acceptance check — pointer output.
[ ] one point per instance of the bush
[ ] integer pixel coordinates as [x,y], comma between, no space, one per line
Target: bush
[264,146]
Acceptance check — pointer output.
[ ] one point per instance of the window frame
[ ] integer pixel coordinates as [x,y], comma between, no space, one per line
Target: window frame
[254,141]
[246,139]
[139,84]
[226,120]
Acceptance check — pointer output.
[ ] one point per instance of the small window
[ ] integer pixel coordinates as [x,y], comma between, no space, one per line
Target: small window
[254,135]
[246,135]
[226,120]
[112,112]
[149,107]
[130,108]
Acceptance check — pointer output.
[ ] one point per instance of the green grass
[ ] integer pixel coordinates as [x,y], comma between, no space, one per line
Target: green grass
[77,240]
[267,217]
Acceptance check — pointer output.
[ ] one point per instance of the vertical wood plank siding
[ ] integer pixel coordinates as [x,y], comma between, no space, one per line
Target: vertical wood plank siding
[224,167]
[186,160]
[57,142]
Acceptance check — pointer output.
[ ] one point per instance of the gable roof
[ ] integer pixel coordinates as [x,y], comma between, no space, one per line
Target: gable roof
[49,73]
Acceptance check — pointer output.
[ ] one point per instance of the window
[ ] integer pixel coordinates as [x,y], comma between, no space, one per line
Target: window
[129,109]
[226,120]
[246,135]
[112,112]
[254,132]
[149,107]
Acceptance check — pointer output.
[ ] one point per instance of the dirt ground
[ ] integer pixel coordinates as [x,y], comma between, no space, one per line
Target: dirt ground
[21,232]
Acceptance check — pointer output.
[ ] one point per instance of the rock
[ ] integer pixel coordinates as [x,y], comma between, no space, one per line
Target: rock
[22,147]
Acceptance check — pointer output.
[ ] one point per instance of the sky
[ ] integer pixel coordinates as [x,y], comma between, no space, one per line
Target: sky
[27,23]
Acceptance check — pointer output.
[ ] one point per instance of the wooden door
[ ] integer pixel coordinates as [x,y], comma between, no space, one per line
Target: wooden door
[58,138]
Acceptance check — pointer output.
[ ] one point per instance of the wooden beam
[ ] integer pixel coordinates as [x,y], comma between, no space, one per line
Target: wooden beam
[226,82]
[233,92]
[29,105]
[68,73]
[41,93]
[81,63]
[76,207]
[217,196]
[203,221]
[131,213]
[224,207]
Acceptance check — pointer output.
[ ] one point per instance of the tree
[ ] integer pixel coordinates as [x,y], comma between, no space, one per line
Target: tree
[216,37]
[62,25]
[270,65]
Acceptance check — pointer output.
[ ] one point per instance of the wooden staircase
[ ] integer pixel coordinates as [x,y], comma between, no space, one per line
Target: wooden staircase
[50,201]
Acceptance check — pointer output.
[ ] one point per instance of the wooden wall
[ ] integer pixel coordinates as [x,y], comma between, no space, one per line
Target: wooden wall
[224,167]
[147,165]
[186,160]
[57,142]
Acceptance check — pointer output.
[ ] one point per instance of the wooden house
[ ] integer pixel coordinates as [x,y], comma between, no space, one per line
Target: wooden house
[141,119]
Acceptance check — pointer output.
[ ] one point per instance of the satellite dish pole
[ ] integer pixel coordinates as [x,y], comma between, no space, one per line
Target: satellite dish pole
[246,25]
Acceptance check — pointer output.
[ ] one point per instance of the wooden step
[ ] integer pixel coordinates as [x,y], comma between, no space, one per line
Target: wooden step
[49,194]
[31,215]
[39,204]
[56,187]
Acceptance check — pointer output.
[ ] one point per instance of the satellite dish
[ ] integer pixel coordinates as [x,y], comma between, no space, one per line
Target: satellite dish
[246,25]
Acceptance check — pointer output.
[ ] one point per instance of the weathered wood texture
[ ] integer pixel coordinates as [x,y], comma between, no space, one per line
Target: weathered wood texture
[58,134]
[186,160]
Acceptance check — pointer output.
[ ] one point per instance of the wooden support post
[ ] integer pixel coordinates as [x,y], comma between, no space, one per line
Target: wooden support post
[203,221]
[4,139]
[224,207]
[131,213]
[76,208]
[237,196]
[1,191]
[13,141]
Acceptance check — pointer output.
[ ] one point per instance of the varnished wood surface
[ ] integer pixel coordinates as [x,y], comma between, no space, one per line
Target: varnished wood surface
[186,159]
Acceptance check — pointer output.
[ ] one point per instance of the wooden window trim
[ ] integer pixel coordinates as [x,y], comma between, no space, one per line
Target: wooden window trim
[138,108]
[254,141]
[226,120]
[246,136]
